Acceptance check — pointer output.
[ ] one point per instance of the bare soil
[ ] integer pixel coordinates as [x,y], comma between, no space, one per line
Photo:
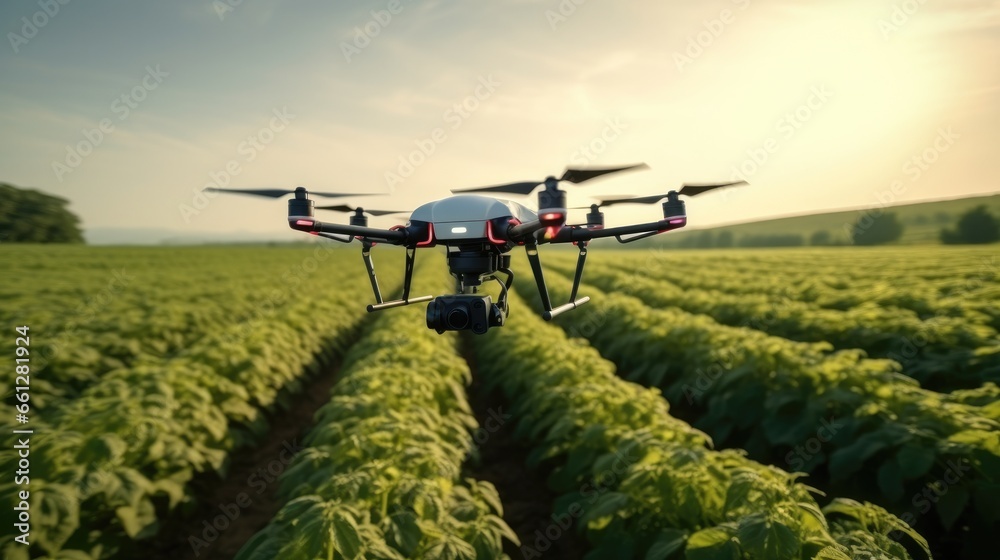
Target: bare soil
[526,497]
[250,486]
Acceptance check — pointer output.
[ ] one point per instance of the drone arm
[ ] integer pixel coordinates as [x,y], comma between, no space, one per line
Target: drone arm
[407,281]
[580,262]
[531,249]
[580,234]
[310,225]
[334,237]
[411,258]
[525,231]
[366,255]
[536,267]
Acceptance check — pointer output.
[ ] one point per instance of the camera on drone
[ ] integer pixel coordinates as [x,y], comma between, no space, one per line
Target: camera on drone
[476,313]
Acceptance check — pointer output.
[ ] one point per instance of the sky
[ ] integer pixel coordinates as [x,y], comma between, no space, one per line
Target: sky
[130,109]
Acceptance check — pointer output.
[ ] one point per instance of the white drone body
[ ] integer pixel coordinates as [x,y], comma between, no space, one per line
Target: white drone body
[480,231]
[469,217]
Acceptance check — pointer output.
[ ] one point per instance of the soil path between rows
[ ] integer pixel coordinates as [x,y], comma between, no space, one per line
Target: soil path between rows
[251,481]
[502,461]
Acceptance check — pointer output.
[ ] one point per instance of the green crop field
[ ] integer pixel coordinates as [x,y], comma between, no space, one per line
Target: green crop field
[239,402]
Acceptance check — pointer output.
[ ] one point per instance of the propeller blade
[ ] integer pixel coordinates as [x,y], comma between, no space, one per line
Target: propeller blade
[581,175]
[337,208]
[570,176]
[346,208]
[335,195]
[694,189]
[270,193]
[598,204]
[689,189]
[524,187]
[633,200]
[278,193]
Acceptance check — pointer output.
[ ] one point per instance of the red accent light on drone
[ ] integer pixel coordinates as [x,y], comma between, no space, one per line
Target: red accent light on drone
[552,217]
[674,223]
[430,237]
[308,223]
[492,238]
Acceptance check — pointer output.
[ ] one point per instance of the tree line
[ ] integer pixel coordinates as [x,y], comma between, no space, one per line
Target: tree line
[977,226]
[30,216]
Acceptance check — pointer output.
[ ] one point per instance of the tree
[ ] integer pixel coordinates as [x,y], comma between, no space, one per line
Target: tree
[724,239]
[820,238]
[876,229]
[975,226]
[29,216]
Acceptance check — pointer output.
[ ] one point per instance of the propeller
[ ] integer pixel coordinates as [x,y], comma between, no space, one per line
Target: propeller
[570,176]
[346,208]
[278,193]
[688,189]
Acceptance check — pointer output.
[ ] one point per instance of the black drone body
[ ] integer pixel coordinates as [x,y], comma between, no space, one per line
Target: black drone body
[479,232]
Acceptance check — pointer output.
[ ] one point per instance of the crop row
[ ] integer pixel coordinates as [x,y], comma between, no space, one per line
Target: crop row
[94,310]
[108,466]
[943,353]
[839,416]
[381,477]
[957,283]
[847,268]
[643,484]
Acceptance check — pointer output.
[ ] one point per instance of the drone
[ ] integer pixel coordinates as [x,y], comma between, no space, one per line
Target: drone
[479,232]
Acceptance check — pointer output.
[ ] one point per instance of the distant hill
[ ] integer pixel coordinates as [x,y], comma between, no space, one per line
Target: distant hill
[923,222]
